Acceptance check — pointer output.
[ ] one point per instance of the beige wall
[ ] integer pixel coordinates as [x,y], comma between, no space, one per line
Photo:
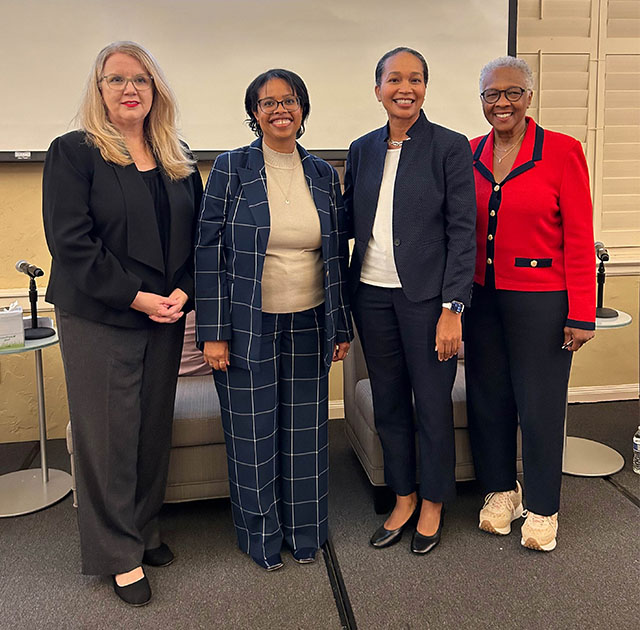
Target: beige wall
[606,369]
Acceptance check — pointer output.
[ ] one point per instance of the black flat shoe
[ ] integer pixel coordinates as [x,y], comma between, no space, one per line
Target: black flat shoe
[136,594]
[383,537]
[161,556]
[424,544]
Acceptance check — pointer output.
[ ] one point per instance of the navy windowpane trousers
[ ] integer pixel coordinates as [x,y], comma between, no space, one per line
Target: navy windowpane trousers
[275,424]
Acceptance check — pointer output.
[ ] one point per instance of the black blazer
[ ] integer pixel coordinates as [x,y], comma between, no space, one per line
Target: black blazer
[434,209]
[102,232]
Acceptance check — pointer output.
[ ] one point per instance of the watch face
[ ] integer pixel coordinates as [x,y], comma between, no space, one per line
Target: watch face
[457,307]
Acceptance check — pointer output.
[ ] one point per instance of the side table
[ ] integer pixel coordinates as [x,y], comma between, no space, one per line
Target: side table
[27,491]
[588,458]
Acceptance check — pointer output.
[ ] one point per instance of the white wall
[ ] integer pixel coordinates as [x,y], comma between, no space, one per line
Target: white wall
[212,49]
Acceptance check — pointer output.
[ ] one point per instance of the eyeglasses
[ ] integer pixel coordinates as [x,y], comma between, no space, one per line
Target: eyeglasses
[269,105]
[512,94]
[118,83]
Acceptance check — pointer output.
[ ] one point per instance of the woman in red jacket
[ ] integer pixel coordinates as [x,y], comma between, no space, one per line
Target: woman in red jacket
[533,302]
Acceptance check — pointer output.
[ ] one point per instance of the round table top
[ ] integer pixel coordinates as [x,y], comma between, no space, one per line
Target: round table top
[32,344]
[623,319]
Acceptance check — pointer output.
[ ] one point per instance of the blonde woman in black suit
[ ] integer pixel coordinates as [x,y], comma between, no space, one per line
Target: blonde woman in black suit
[119,200]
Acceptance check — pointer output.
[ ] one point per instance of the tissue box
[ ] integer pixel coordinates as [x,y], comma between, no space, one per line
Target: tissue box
[11,327]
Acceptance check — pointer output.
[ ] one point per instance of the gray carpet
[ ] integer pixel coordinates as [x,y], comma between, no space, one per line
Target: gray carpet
[472,580]
[476,580]
[210,585]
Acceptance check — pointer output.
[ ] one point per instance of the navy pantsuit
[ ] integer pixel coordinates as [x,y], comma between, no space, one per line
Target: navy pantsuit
[274,393]
[434,252]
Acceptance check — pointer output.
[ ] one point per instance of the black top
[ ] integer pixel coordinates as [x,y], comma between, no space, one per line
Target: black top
[153,181]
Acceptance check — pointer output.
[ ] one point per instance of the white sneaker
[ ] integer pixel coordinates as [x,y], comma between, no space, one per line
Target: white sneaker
[500,509]
[539,532]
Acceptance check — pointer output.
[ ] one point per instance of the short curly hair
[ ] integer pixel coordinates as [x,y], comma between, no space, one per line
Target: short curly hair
[297,87]
[508,62]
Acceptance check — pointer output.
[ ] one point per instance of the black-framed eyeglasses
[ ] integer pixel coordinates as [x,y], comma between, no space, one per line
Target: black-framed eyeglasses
[512,94]
[269,105]
[118,83]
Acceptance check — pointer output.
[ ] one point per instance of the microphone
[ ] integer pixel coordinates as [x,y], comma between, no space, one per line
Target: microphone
[601,251]
[30,270]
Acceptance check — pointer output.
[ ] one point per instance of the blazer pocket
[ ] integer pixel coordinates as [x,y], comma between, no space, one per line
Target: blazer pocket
[533,262]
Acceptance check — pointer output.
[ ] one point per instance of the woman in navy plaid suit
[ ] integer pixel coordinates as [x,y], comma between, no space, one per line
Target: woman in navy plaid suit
[272,313]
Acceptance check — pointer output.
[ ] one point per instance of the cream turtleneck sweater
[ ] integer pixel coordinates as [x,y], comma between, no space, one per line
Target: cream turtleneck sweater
[292,279]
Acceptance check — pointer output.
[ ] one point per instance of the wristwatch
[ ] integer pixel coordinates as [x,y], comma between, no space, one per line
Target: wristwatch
[454,305]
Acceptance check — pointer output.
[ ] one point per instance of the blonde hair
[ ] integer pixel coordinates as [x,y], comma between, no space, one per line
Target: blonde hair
[160,128]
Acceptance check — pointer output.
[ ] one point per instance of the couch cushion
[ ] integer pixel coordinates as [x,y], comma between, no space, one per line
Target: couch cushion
[196,418]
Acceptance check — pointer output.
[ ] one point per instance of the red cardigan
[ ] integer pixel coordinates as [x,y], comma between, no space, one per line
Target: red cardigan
[536,226]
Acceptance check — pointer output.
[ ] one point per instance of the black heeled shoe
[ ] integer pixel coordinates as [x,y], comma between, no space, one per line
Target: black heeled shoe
[161,556]
[424,544]
[136,594]
[383,537]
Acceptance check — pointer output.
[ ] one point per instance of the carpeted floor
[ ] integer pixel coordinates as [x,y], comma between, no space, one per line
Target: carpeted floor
[472,580]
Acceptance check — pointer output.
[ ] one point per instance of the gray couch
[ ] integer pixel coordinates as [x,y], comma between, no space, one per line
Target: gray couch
[362,434]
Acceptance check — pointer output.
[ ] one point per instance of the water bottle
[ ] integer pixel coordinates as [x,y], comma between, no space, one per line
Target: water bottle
[636,452]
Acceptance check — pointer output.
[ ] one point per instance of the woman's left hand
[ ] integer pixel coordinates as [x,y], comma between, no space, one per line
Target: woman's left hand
[341,351]
[575,338]
[448,334]
[174,304]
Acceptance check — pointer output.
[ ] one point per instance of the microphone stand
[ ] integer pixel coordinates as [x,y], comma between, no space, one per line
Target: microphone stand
[603,311]
[36,332]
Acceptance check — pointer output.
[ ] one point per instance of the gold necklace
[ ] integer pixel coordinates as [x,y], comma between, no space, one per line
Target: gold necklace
[511,148]
[286,193]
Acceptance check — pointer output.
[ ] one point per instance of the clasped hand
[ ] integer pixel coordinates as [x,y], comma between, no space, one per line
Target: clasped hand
[161,309]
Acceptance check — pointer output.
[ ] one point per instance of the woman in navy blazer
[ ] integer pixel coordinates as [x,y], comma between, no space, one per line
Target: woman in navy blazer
[409,191]
[272,313]
[120,198]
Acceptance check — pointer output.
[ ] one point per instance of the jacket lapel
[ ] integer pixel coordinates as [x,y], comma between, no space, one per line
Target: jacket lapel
[530,152]
[373,164]
[254,187]
[143,238]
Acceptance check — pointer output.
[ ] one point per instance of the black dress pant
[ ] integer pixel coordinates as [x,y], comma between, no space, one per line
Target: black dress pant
[121,385]
[398,339]
[515,368]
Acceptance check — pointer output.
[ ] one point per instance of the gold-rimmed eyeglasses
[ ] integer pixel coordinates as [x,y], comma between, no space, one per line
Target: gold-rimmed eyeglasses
[118,83]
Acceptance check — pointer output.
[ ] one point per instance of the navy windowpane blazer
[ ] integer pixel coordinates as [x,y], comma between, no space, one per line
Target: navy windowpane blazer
[231,244]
